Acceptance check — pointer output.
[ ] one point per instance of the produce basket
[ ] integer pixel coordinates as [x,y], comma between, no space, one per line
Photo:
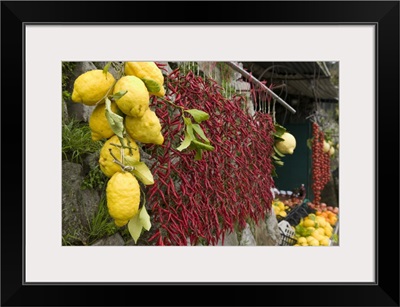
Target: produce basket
[287,234]
[294,217]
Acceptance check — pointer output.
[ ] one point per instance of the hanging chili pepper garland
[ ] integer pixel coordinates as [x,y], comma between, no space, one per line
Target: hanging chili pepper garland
[320,163]
[200,201]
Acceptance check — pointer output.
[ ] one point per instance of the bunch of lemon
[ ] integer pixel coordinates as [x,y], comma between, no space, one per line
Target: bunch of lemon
[126,99]
[313,230]
[280,209]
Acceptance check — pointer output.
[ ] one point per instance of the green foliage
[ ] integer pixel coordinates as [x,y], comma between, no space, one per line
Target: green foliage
[66,77]
[94,179]
[101,225]
[77,141]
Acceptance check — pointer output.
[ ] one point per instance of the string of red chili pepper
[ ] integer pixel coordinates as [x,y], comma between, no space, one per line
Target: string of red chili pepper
[200,201]
[320,163]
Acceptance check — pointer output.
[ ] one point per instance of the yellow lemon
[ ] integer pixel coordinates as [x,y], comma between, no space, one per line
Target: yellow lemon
[147,71]
[328,232]
[281,205]
[288,145]
[327,146]
[314,242]
[136,101]
[301,240]
[321,221]
[146,129]
[321,231]
[324,241]
[92,86]
[331,151]
[282,213]
[123,197]
[99,126]
[308,223]
[107,165]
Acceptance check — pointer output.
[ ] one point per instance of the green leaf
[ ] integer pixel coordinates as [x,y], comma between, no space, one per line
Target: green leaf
[152,86]
[273,172]
[115,121]
[118,95]
[200,132]
[276,158]
[277,138]
[106,67]
[335,238]
[198,115]
[140,171]
[278,152]
[280,163]
[279,130]
[202,145]
[189,130]
[135,227]
[144,218]
[199,153]
[185,143]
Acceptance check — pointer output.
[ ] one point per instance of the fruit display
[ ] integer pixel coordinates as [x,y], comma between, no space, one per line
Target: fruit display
[314,230]
[280,209]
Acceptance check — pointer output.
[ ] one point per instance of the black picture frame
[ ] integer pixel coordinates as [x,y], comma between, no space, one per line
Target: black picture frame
[383,14]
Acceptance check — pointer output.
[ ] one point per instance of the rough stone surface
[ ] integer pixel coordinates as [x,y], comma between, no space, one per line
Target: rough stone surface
[231,239]
[114,240]
[78,206]
[247,237]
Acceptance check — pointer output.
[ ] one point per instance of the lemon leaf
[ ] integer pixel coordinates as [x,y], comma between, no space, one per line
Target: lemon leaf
[189,130]
[140,171]
[185,143]
[202,145]
[115,121]
[106,67]
[135,227]
[152,86]
[280,163]
[200,132]
[118,95]
[278,138]
[199,154]
[278,152]
[198,115]
[279,130]
[144,218]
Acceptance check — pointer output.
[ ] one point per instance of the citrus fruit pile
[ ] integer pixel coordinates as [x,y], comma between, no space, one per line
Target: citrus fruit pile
[314,230]
[122,118]
[280,209]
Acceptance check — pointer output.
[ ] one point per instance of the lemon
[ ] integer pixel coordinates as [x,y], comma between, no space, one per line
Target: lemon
[301,240]
[321,221]
[281,205]
[107,166]
[321,231]
[288,145]
[146,129]
[136,101]
[99,126]
[328,232]
[149,71]
[331,151]
[324,241]
[314,242]
[327,146]
[308,223]
[282,213]
[92,86]
[123,197]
